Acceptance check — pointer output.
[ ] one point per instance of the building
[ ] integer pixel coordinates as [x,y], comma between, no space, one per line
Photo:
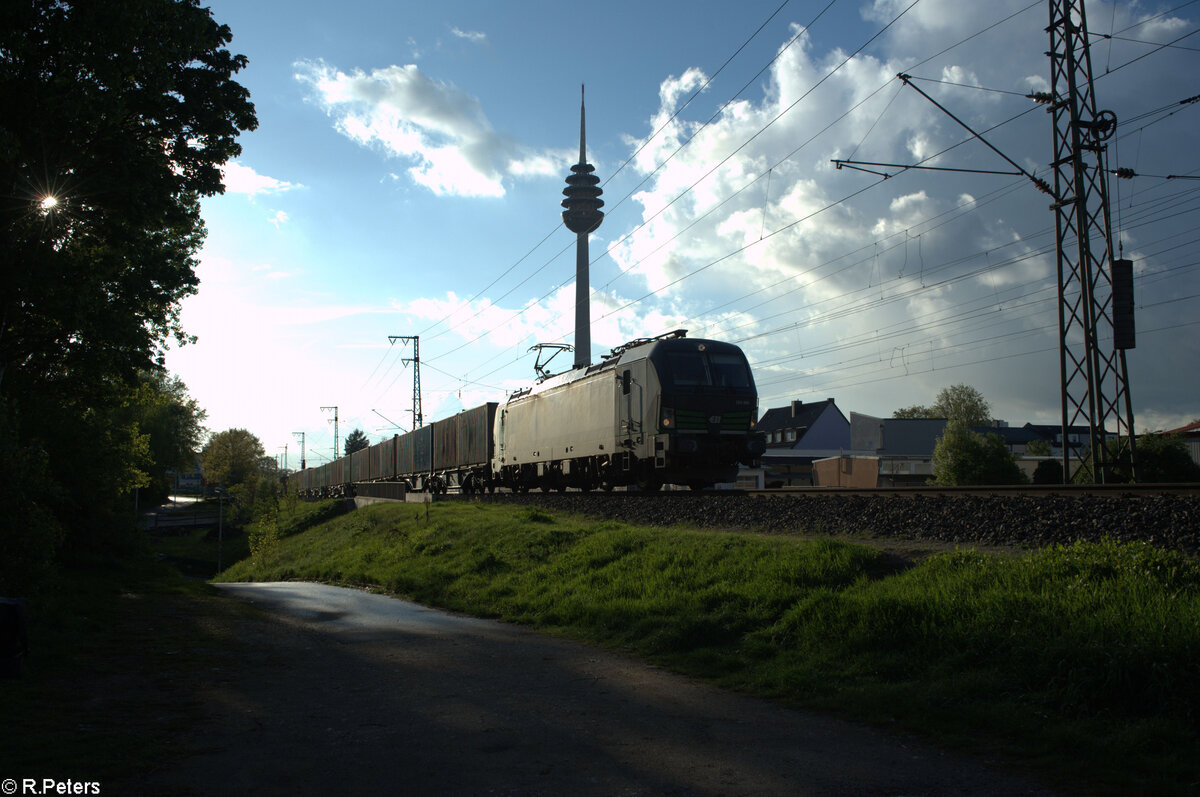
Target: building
[897,452]
[1191,436]
[797,435]
[1078,437]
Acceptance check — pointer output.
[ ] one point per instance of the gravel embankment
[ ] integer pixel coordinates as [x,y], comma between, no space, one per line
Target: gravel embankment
[1169,521]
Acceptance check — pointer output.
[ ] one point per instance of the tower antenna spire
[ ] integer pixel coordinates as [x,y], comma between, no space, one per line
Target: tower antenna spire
[582,127]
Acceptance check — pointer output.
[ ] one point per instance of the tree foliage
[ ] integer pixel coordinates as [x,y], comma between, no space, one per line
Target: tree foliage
[117,119]
[355,441]
[1048,471]
[1162,458]
[954,403]
[231,458]
[124,113]
[963,457]
[1038,448]
[172,422]
[30,533]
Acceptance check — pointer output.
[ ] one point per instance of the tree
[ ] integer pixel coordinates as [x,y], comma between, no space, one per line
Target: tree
[355,441]
[117,119]
[1038,448]
[1048,471]
[963,457]
[1165,458]
[171,419]
[121,115]
[231,458]
[963,403]
[915,411]
[954,403]
[1162,458]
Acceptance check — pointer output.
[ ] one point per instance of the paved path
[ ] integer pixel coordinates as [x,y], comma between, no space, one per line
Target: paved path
[356,693]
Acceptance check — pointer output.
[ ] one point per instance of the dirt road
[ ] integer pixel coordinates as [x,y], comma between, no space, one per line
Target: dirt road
[347,692]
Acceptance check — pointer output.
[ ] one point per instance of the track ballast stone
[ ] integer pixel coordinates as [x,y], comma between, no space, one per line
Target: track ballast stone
[1165,520]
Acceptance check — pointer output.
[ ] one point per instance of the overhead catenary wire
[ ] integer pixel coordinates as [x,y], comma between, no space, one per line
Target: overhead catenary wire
[647,294]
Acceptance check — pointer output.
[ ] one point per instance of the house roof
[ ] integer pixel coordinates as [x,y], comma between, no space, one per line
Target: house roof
[1188,431]
[795,416]
[799,416]
[1051,431]
[1011,434]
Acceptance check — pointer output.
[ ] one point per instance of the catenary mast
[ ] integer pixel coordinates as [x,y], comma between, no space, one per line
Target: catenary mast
[1095,289]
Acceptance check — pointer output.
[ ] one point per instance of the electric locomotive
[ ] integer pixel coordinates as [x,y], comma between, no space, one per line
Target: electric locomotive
[663,410]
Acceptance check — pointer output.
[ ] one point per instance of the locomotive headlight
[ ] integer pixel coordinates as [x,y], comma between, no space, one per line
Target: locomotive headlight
[666,419]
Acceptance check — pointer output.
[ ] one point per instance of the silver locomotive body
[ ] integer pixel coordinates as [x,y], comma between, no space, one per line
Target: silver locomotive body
[667,410]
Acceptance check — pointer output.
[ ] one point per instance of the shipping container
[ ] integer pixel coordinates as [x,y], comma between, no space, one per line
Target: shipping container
[423,450]
[464,440]
[475,435]
[405,453]
[383,460]
[445,444]
[360,464]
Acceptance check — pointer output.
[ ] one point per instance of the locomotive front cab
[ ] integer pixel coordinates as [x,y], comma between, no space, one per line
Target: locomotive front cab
[707,406]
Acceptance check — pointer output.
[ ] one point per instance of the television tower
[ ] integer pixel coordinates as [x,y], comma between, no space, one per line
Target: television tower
[582,216]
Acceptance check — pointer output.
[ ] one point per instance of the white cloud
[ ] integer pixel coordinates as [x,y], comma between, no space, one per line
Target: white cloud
[474,37]
[935,277]
[279,219]
[241,179]
[439,128]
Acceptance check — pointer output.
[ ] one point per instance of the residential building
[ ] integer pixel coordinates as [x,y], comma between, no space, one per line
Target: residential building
[797,435]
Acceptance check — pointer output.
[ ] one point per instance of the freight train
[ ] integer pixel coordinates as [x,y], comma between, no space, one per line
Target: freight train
[655,411]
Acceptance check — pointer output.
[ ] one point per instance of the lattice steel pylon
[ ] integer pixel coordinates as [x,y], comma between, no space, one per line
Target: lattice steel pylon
[418,418]
[1095,382]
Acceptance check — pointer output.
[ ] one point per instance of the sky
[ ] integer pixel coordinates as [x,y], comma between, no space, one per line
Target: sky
[406,174]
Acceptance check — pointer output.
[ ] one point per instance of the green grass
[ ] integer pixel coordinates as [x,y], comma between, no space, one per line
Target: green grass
[1082,663]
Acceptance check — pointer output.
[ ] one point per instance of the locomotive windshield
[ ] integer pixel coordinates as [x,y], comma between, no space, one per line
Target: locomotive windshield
[708,369]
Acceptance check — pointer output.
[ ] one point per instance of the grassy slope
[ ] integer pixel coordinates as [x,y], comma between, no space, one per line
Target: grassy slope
[1083,662]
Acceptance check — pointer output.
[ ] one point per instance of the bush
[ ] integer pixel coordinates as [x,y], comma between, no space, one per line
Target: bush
[1048,471]
[30,534]
[963,457]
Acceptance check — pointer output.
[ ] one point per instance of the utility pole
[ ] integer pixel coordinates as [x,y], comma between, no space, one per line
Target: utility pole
[336,441]
[302,463]
[1095,290]
[285,458]
[418,420]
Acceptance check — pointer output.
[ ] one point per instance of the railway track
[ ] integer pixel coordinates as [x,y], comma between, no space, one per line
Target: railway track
[1131,490]
[1164,515]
